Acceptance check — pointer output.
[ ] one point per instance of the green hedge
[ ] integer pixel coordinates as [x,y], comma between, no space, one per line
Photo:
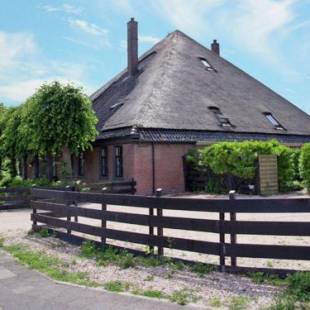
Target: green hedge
[305,165]
[239,159]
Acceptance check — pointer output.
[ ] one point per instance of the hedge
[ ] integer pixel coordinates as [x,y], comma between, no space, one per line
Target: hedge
[239,159]
[305,165]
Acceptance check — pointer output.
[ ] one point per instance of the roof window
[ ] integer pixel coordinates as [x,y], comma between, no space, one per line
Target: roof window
[116,105]
[206,64]
[273,121]
[222,120]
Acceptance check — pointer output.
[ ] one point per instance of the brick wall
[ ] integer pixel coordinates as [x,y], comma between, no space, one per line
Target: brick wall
[137,164]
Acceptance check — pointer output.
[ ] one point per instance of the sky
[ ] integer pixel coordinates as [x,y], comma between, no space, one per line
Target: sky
[84,41]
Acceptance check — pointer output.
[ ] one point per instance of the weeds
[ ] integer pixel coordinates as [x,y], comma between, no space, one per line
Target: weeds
[238,303]
[201,269]
[297,293]
[183,297]
[51,266]
[153,294]
[117,286]
[215,302]
[273,279]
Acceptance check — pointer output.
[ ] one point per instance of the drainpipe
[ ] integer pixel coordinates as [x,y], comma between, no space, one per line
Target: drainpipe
[153,167]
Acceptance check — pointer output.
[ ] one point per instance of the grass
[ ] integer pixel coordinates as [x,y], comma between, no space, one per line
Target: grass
[117,286]
[153,294]
[51,266]
[122,258]
[201,269]
[215,302]
[297,293]
[238,303]
[183,297]
[273,279]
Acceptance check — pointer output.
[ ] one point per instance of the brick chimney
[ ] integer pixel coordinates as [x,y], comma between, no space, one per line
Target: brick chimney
[132,47]
[215,47]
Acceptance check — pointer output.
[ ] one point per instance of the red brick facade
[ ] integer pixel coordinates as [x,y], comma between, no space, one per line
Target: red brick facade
[138,164]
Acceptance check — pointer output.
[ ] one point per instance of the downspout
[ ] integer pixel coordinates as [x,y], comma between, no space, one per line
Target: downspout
[153,168]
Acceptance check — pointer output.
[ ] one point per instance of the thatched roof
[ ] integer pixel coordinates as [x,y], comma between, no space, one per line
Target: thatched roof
[174,90]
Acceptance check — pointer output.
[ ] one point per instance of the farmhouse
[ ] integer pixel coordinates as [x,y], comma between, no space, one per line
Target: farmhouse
[175,96]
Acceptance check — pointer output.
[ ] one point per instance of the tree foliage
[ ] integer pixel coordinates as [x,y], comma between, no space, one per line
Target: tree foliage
[55,117]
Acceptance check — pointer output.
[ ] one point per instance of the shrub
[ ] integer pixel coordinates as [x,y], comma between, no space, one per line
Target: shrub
[238,159]
[304,165]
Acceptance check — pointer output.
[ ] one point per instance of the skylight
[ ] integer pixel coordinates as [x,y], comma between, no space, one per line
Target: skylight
[273,121]
[206,64]
[223,121]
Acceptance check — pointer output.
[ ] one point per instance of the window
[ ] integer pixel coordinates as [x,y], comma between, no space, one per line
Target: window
[206,64]
[223,121]
[118,153]
[104,162]
[273,121]
[81,164]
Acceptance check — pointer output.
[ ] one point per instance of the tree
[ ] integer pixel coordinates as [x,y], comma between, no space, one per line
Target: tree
[56,117]
[9,137]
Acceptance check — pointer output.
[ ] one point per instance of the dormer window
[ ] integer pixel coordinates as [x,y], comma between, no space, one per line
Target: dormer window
[223,121]
[273,121]
[206,64]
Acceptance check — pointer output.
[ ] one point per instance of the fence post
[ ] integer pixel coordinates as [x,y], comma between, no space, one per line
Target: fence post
[151,229]
[103,220]
[222,242]
[233,236]
[34,221]
[160,250]
[68,204]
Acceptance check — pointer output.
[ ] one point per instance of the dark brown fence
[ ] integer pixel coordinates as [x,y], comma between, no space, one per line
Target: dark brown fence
[121,187]
[57,215]
[14,198]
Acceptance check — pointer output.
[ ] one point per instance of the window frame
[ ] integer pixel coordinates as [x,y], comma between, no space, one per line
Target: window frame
[223,121]
[273,121]
[104,162]
[118,162]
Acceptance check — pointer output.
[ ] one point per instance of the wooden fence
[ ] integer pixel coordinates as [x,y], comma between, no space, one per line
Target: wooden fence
[14,198]
[57,215]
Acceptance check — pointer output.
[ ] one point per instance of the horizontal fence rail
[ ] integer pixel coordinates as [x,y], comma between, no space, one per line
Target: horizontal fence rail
[14,197]
[56,208]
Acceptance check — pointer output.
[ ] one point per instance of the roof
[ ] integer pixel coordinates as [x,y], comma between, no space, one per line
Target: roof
[194,136]
[174,90]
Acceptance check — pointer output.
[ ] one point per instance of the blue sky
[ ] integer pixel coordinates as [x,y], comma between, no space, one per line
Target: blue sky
[84,41]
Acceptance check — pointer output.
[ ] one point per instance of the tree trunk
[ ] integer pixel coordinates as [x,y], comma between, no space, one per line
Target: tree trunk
[25,167]
[13,170]
[49,172]
[36,167]
[67,163]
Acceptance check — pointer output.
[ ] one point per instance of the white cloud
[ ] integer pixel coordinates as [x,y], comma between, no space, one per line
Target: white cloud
[87,27]
[13,46]
[65,8]
[23,68]
[88,34]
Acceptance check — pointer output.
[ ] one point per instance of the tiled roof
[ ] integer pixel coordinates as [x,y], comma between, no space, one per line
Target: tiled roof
[193,136]
[174,90]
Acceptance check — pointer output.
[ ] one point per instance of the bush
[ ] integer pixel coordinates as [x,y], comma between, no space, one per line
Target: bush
[304,165]
[238,159]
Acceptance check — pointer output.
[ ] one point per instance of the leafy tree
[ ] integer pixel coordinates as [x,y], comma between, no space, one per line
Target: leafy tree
[56,117]
[9,138]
